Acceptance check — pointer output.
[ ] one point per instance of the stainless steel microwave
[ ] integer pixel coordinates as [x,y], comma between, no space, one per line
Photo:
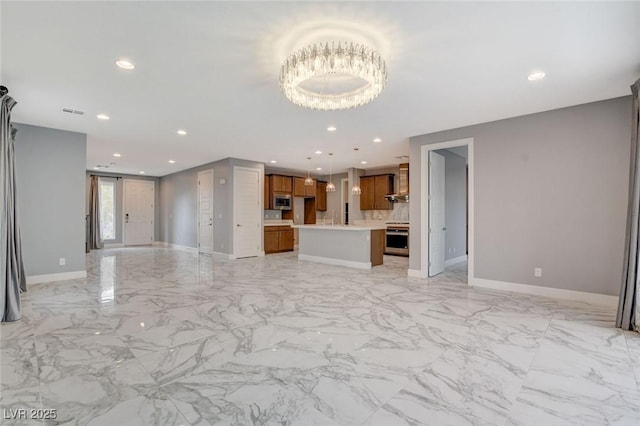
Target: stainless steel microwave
[282,202]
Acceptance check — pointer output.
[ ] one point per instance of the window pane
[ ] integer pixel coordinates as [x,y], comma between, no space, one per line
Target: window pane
[107,211]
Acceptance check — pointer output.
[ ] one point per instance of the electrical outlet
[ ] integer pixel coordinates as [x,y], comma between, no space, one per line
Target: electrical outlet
[266,216]
[537,272]
[62,261]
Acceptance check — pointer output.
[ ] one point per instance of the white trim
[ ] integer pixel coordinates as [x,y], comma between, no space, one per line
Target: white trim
[455,260]
[556,293]
[211,194]
[61,276]
[332,261]
[424,206]
[112,245]
[259,211]
[175,246]
[415,273]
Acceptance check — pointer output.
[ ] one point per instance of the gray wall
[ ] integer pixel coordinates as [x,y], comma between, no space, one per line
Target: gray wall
[550,192]
[455,204]
[50,172]
[119,200]
[179,207]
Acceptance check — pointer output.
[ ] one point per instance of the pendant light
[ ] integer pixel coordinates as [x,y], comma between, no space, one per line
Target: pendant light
[330,186]
[308,181]
[355,189]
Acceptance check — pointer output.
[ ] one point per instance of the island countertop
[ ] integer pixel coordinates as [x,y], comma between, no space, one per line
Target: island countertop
[342,227]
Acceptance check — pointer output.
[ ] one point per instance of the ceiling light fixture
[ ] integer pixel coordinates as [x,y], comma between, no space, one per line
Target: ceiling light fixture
[124,64]
[363,162]
[377,140]
[318,168]
[332,129]
[116,154]
[330,186]
[355,189]
[141,172]
[181,132]
[308,181]
[103,117]
[538,75]
[318,152]
[172,161]
[333,77]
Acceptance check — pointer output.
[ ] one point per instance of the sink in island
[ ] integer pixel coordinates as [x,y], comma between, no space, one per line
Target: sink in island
[354,246]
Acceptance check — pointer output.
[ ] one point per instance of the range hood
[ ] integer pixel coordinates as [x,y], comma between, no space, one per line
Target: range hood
[402,196]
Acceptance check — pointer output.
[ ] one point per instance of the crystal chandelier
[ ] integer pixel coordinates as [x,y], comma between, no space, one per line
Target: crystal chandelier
[308,181]
[330,186]
[329,77]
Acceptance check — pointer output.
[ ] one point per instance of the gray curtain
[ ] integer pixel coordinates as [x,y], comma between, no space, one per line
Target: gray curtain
[12,275]
[95,239]
[628,316]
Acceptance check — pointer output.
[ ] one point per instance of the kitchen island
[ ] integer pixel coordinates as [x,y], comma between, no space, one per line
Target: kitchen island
[354,246]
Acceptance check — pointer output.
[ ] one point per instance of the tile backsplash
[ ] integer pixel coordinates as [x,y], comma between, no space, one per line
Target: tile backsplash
[400,212]
[273,214]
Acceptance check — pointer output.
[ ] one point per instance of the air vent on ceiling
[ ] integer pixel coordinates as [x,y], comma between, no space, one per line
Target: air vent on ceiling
[402,157]
[73,111]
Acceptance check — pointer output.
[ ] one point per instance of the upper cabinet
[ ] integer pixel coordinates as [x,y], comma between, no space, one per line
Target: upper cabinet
[302,190]
[280,183]
[374,188]
[321,196]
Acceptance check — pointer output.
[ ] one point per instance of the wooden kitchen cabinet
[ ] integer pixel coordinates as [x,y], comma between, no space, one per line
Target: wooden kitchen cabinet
[268,199]
[321,196]
[281,184]
[278,239]
[374,189]
[302,190]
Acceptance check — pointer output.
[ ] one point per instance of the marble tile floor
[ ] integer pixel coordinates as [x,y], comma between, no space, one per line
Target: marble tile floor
[160,336]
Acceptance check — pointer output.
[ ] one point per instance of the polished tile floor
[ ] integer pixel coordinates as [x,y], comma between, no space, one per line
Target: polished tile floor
[161,337]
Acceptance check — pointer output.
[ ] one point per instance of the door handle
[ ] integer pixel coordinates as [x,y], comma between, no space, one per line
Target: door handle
[238,225]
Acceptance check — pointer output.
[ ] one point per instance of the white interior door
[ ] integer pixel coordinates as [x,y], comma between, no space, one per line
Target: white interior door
[139,196]
[247,212]
[205,211]
[436,214]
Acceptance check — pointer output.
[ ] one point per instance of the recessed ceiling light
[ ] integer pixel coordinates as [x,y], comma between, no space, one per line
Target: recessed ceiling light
[96,168]
[318,168]
[538,75]
[377,140]
[273,161]
[117,154]
[181,132]
[363,162]
[172,161]
[318,152]
[124,64]
[102,117]
[331,128]
[141,172]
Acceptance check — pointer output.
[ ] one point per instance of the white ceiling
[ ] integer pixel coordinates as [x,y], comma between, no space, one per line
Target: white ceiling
[212,69]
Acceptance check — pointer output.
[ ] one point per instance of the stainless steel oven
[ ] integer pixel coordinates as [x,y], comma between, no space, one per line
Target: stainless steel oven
[397,239]
[282,202]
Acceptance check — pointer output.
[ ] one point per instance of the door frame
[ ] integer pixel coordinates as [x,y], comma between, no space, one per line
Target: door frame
[424,204]
[260,212]
[211,193]
[124,209]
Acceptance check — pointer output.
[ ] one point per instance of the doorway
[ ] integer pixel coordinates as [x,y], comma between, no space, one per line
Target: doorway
[247,212]
[205,212]
[139,212]
[437,251]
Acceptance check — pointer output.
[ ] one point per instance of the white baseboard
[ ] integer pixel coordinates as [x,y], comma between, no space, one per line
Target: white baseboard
[557,293]
[61,276]
[113,245]
[227,255]
[175,246]
[338,262]
[416,273]
[455,260]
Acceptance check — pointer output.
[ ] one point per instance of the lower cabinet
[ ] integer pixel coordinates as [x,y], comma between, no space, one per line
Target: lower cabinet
[278,239]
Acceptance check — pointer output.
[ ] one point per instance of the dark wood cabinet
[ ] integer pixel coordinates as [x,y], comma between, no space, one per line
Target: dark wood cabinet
[321,196]
[302,190]
[374,189]
[268,199]
[278,239]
